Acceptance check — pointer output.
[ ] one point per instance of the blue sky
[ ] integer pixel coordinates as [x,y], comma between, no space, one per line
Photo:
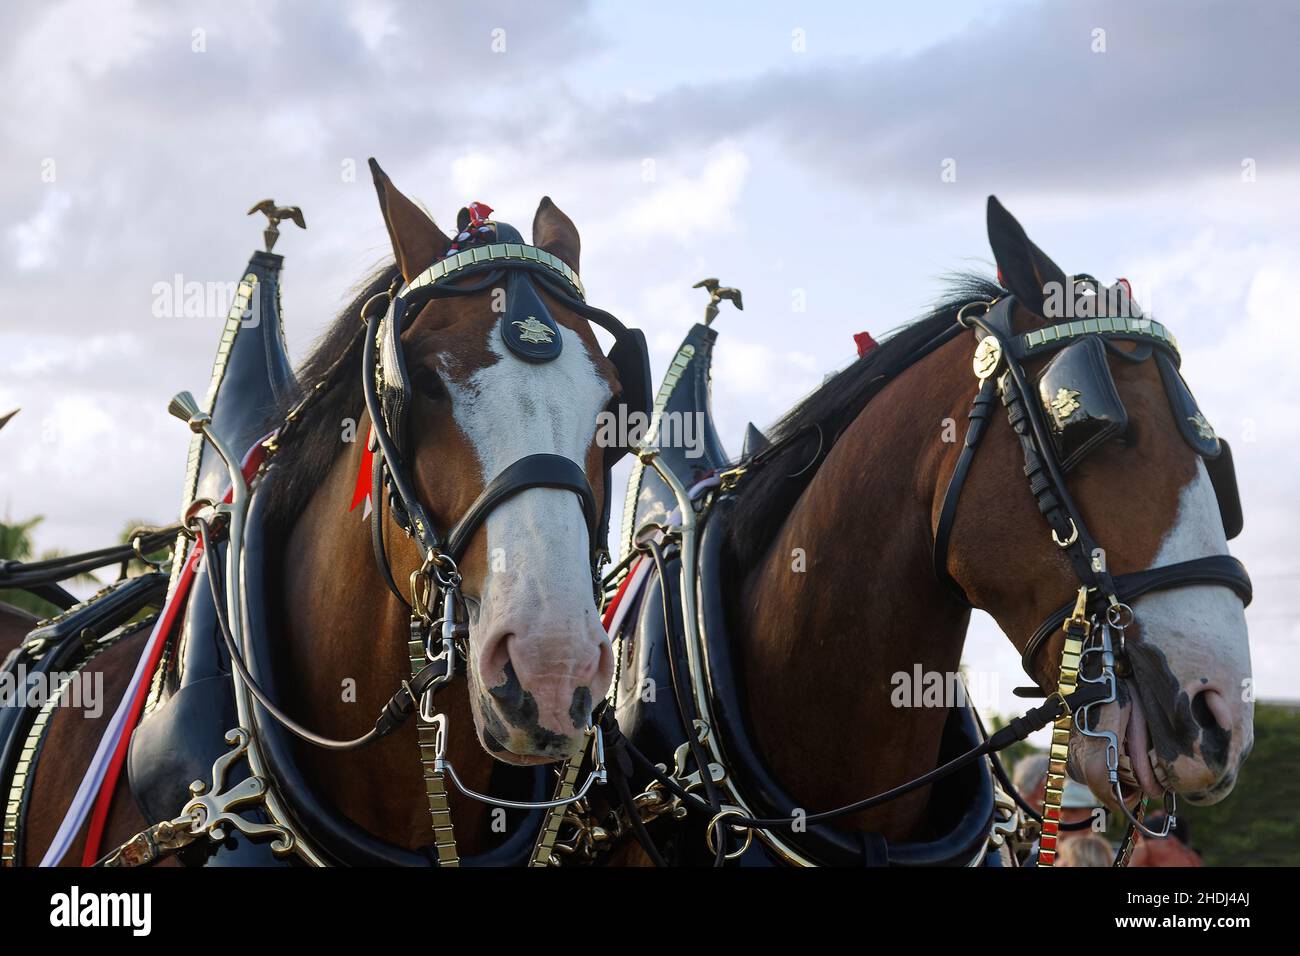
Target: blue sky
[786,172]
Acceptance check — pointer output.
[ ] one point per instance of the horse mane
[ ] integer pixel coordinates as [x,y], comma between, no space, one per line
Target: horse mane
[805,435]
[306,455]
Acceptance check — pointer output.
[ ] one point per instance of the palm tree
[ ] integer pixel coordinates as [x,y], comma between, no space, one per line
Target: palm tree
[16,545]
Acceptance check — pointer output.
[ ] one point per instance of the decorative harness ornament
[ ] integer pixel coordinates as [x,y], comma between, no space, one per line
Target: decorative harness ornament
[1065,404]
[533,331]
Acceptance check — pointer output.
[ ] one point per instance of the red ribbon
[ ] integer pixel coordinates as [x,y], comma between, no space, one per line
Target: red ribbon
[365,474]
[612,608]
[864,342]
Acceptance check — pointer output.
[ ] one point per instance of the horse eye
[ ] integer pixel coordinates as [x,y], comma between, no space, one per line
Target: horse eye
[428,383]
[1130,437]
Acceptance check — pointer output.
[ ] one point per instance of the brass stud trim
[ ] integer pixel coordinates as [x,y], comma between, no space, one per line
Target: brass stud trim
[493,252]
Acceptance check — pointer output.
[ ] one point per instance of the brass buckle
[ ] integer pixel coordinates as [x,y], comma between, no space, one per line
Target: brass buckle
[1074,536]
[1065,704]
[728,480]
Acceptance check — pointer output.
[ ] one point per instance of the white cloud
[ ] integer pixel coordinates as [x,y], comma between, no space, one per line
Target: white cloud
[685,204]
[35,239]
[72,45]
[374,21]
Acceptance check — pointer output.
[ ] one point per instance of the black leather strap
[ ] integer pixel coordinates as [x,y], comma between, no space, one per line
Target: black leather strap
[532,471]
[417,521]
[1222,569]
[402,704]
[377,496]
[1047,485]
[341,840]
[981,410]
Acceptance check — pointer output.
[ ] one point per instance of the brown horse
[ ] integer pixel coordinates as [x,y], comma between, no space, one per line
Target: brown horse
[874,450]
[538,656]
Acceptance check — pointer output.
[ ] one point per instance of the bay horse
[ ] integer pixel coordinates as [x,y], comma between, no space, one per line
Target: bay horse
[838,589]
[537,655]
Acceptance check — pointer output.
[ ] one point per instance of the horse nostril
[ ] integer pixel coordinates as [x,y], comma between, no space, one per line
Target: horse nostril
[496,654]
[1210,710]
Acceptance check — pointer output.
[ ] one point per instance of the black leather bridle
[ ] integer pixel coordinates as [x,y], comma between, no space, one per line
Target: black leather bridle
[500,258]
[999,365]
[496,255]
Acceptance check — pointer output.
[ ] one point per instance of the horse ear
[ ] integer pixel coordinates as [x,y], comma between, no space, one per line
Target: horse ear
[1022,267]
[556,233]
[417,241]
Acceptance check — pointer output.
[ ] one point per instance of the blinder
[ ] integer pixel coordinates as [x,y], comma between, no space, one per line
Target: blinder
[1191,423]
[493,253]
[394,379]
[1083,409]
[1197,432]
[1081,401]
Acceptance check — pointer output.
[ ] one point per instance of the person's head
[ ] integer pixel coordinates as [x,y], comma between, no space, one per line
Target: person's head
[1087,849]
[1077,805]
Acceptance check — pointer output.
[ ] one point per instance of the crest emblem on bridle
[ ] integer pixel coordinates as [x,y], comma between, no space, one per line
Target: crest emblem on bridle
[988,356]
[1065,404]
[534,331]
[1202,426]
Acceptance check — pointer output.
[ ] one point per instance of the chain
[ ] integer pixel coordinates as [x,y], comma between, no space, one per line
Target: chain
[1076,632]
[431,727]
[543,852]
[1130,838]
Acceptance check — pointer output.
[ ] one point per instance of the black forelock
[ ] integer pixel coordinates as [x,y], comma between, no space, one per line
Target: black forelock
[302,462]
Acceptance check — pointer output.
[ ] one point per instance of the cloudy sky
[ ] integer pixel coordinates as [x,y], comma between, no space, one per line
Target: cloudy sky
[798,155]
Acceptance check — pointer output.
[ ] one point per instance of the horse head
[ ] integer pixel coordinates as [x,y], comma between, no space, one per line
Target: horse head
[538,658]
[1138,460]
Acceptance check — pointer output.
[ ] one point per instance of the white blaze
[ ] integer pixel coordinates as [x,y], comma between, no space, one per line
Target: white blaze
[538,561]
[1200,629]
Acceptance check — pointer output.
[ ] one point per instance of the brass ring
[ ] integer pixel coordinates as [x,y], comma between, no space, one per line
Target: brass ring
[421,590]
[708,832]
